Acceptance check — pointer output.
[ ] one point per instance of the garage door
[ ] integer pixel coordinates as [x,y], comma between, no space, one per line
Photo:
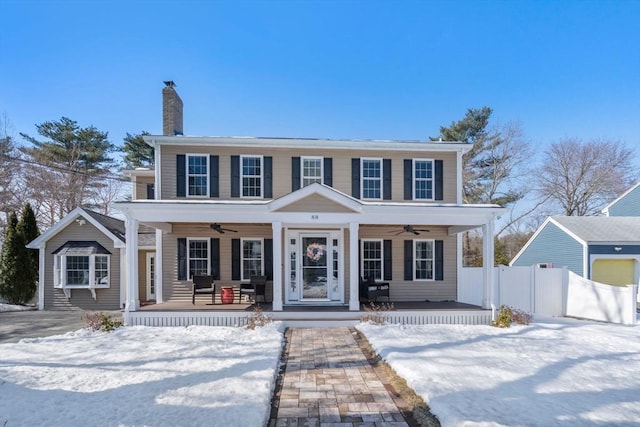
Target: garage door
[613,271]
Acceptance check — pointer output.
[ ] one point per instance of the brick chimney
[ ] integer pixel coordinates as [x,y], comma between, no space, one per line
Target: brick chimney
[171,110]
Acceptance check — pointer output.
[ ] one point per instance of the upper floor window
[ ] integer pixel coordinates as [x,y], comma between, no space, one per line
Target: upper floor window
[251,176]
[422,179]
[372,262]
[423,260]
[311,170]
[198,257]
[252,260]
[371,172]
[197,175]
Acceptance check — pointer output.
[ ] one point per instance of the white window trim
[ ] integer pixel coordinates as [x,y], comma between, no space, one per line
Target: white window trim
[60,272]
[200,239]
[378,159]
[381,241]
[413,179]
[206,156]
[250,156]
[302,176]
[251,239]
[433,260]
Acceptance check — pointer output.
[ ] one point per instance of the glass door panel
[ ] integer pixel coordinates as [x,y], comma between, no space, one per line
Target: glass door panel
[314,268]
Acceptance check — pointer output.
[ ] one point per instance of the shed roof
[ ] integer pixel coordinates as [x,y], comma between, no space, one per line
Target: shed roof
[594,229]
[114,225]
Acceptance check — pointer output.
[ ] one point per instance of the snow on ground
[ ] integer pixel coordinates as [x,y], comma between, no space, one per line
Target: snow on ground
[555,372]
[141,376]
[12,307]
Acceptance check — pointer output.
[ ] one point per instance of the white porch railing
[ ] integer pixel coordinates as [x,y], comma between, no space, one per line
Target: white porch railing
[306,318]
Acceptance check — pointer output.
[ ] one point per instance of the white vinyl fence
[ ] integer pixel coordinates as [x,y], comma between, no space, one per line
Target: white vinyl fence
[552,292]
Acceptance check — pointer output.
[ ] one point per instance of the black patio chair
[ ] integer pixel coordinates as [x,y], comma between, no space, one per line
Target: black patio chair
[256,287]
[203,285]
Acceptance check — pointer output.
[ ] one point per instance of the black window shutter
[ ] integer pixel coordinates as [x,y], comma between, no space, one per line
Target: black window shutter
[355,178]
[439,180]
[408,260]
[386,179]
[268,177]
[408,179]
[235,259]
[328,171]
[235,176]
[387,249]
[439,260]
[151,191]
[181,175]
[268,258]
[182,258]
[295,173]
[214,178]
[215,258]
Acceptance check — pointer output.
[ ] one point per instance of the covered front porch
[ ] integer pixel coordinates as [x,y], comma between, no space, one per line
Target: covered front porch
[311,247]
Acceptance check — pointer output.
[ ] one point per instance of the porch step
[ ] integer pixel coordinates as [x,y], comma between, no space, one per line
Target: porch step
[319,323]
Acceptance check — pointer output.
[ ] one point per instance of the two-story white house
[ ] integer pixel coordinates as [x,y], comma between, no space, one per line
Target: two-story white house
[313,215]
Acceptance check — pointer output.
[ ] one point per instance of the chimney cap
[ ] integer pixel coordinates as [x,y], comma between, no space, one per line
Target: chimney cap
[169,83]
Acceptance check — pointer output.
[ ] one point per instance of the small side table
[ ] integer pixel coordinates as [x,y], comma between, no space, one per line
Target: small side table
[227,295]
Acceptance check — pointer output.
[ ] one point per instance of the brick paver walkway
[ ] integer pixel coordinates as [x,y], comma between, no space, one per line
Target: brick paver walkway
[328,381]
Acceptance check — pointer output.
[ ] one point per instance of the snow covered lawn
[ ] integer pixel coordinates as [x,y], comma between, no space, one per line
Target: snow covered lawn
[555,372]
[5,307]
[141,376]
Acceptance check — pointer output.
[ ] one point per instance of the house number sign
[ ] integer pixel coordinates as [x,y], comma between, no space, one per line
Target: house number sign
[315,217]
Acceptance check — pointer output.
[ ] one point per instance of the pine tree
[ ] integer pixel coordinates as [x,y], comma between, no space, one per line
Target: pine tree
[67,167]
[28,227]
[17,285]
[138,154]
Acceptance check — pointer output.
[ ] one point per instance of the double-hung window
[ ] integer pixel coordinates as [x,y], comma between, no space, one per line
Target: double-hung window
[251,176]
[372,265]
[198,257]
[422,179]
[371,173]
[197,175]
[311,170]
[423,260]
[252,259]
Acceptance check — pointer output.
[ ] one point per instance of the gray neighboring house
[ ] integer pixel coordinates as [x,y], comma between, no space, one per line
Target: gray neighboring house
[82,259]
[604,249]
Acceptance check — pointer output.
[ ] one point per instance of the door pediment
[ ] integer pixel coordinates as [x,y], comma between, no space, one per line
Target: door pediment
[316,198]
[315,203]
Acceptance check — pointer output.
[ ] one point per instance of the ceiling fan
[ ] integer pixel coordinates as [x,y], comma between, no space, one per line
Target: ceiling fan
[217,227]
[411,229]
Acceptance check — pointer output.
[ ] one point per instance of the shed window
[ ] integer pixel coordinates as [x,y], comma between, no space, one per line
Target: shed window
[81,265]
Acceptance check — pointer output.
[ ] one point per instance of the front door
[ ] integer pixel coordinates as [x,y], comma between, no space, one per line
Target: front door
[314,270]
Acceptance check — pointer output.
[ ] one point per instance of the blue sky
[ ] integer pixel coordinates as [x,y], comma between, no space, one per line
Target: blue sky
[332,69]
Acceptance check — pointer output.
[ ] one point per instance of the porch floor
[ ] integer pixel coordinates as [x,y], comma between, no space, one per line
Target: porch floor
[268,307]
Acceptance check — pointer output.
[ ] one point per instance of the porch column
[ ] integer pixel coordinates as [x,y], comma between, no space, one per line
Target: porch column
[487,264]
[158,267]
[276,226]
[354,280]
[42,252]
[133,298]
